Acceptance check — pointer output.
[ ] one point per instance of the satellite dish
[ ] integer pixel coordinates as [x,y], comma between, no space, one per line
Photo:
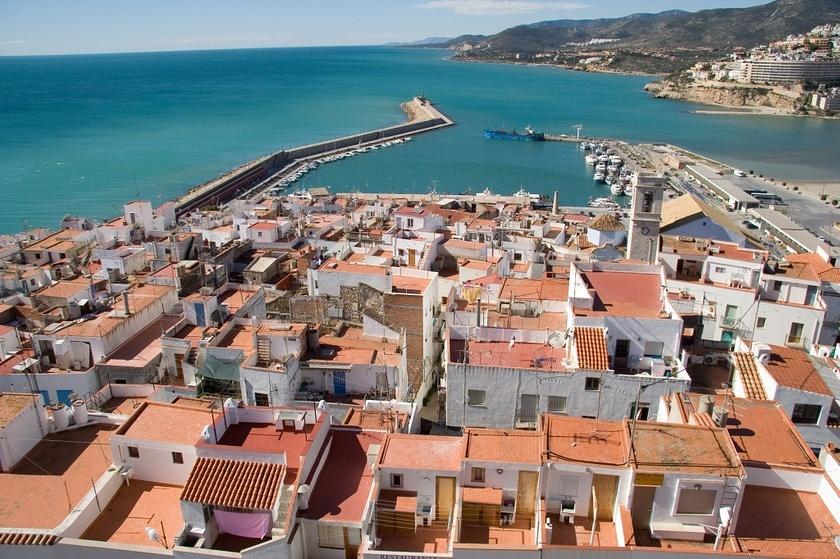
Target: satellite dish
[556,341]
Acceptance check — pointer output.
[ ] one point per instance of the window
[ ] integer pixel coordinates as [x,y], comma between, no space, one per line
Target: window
[409,222]
[720,270]
[654,349]
[556,404]
[330,536]
[260,399]
[760,322]
[806,413]
[259,233]
[696,501]
[477,475]
[396,480]
[32,282]
[134,452]
[777,286]
[477,397]
[177,458]
[811,295]
[647,202]
[643,410]
[592,384]
[517,256]
[795,335]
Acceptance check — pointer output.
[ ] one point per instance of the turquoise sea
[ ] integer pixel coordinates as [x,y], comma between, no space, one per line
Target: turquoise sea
[83,134]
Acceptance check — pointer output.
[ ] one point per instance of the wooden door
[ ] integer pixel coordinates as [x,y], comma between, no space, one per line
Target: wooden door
[526,493]
[642,505]
[444,497]
[412,258]
[352,541]
[606,488]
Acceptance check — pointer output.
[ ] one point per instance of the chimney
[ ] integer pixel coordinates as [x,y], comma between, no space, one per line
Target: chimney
[554,205]
[707,403]
[312,338]
[719,415]
[125,303]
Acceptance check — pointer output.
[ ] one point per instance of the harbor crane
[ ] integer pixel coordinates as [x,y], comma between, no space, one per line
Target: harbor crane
[578,128]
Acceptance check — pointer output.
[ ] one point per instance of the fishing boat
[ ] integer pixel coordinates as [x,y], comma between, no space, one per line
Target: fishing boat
[529,135]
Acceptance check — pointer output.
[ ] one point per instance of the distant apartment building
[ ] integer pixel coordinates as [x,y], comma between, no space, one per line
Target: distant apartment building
[787,71]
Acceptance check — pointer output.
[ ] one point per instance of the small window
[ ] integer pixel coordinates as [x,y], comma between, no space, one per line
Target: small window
[330,536]
[777,285]
[696,501]
[760,322]
[654,349]
[32,282]
[260,399]
[795,334]
[517,256]
[556,404]
[593,384]
[134,452]
[177,458]
[806,413]
[396,480]
[409,222]
[643,411]
[720,270]
[477,397]
[477,475]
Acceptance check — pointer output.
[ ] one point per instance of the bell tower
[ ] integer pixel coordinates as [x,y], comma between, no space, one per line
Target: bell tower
[645,217]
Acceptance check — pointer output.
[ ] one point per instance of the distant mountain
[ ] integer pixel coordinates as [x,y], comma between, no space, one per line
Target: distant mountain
[422,42]
[715,29]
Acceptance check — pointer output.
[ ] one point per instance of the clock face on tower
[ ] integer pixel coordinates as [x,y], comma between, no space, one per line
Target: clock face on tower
[644,230]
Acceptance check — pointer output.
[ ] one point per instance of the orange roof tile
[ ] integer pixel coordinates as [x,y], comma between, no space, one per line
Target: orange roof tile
[495,445]
[665,447]
[422,452]
[233,483]
[745,368]
[12,404]
[581,440]
[793,368]
[591,346]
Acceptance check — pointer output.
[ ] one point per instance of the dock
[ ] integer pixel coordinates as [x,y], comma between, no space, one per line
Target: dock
[256,176]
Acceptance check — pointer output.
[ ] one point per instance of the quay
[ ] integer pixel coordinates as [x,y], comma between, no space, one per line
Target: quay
[260,174]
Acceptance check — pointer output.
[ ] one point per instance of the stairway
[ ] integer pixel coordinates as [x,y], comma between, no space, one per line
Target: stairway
[286,493]
[263,351]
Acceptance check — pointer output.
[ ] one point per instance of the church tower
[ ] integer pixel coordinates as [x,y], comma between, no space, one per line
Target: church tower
[645,217]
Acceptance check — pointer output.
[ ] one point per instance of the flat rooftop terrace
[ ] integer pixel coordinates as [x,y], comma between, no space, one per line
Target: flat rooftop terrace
[133,508]
[622,294]
[800,524]
[265,437]
[521,355]
[53,478]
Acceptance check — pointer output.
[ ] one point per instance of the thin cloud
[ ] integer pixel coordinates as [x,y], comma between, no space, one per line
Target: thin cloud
[497,7]
[5,43]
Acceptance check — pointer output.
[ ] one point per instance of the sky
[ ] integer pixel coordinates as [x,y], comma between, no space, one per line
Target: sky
[88,26]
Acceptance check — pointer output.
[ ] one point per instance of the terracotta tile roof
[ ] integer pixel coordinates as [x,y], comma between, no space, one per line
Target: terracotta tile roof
[745,368]
[606,222]
[11,405]
[580,440]
[591,346]
[794,369]
[233,483]
[492,445]
[422,452]
[23,538]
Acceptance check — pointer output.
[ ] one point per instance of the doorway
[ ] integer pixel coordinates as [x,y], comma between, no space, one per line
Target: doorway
[642,505]
[444,498]
[526,494]
[606,488]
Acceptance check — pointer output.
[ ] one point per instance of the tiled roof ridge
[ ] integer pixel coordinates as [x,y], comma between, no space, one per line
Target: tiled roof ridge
[233,483]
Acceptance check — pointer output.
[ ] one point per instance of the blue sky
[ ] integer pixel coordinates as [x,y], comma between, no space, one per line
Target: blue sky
[84,26]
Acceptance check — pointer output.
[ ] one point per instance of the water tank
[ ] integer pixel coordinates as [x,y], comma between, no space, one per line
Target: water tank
[80,412]
[61,417]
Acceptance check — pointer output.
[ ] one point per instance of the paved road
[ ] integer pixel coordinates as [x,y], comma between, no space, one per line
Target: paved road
[810,213]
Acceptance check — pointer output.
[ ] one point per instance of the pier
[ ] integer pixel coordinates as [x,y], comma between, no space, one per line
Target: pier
[256,176]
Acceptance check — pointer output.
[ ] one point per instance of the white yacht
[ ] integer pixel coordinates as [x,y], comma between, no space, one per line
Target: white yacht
[591,159]
[616,189]
[628,189]
[599,177]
